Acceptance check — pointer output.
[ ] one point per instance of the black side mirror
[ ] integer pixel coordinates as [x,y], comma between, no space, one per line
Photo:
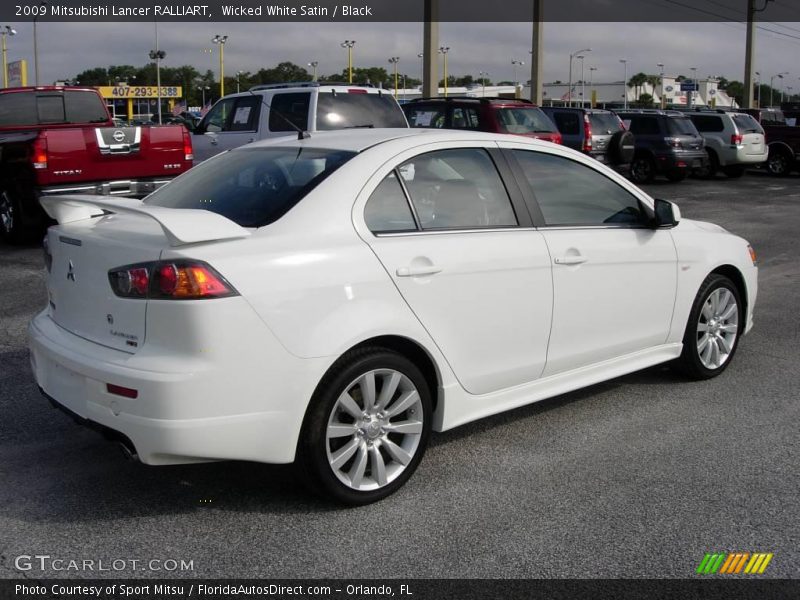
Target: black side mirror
[667,214]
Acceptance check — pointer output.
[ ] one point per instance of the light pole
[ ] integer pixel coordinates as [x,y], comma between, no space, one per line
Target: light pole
[690,99]
[349,45]
[516,63]
[6,31]
[421,58]
[221,39]
[771,79]
[571,56]
[393,61]
[157,55]
[625,84]
[314,64]
[583,84]
[483,75]
[663,99]
[36,46]
[203,89]
[758,89]
[444,50]
[238,73]
[789,90]
[591,86]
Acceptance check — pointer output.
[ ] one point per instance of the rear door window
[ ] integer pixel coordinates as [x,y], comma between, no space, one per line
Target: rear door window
[245,114]
[387,209]
[644,125]
[291,107]
[567,122]
[426,116]
[349,109]
[708,123]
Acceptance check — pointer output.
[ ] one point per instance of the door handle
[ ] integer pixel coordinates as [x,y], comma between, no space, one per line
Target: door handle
[418,271]
[570,260]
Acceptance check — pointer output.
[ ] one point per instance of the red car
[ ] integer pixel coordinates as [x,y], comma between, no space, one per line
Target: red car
[495,115]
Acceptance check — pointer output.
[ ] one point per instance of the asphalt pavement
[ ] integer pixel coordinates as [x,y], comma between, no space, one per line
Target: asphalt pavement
[635,477]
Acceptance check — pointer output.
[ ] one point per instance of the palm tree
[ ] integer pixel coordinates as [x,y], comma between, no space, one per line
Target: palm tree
[637,81]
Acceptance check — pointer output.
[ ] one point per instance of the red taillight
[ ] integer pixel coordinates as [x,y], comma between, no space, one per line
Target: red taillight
[736,139]
[170,280]
[122,391]
[557,139]
[188,152]
[587,134]
[40,152]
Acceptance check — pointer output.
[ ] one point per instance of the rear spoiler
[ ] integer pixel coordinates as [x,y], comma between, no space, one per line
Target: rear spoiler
[181,226]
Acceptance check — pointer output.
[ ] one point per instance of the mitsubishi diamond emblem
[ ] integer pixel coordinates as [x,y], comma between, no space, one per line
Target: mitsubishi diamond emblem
[71,272]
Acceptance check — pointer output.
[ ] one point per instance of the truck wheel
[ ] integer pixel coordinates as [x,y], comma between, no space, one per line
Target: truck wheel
[779,163]
[13,229]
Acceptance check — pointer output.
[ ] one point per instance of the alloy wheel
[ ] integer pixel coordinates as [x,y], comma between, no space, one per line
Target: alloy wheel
[717,328]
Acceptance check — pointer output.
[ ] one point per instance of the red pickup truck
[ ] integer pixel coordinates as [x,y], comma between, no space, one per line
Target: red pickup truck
[62,140]
[783,140]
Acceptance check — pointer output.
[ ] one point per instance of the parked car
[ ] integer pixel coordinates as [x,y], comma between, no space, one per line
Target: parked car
[284,109]
[734,141]
[496,115]
[783,140]
[666,143]
[599,133]
[59,140]
[284,301]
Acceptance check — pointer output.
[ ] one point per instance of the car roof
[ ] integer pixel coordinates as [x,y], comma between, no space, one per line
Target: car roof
[358,140]
[484,100]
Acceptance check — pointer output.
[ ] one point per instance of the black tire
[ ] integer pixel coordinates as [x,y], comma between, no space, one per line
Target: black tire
[712,166]
[676,175]
[779,163]
[643,169]
[17,227]
[733,171]
[314,456]
[690,361]
[621,148]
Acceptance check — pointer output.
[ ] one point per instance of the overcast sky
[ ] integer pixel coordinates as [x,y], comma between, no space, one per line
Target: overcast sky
[65,49]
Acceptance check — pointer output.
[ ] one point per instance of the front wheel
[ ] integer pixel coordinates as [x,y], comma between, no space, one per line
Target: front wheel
[712,333]
[367,427]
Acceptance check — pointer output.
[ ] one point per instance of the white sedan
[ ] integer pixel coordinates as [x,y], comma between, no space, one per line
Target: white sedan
[332,300]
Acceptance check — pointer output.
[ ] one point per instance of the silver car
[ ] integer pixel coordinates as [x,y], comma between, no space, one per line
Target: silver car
[734,141]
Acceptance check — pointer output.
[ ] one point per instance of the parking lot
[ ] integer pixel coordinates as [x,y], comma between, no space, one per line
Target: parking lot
[636,477]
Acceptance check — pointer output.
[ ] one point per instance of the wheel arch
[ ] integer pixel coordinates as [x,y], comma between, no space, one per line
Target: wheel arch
[735,275]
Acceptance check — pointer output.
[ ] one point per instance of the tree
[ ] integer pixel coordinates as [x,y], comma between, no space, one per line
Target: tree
[735,89]
[645,101]
[284,72]
[96,76]
[636,82]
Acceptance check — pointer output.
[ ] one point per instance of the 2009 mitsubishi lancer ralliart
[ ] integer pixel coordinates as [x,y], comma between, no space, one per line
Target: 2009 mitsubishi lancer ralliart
[333,299]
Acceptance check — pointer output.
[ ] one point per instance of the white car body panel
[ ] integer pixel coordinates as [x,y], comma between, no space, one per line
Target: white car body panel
[231,378]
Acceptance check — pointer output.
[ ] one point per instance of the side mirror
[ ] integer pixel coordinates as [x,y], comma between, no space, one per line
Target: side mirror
[667,214]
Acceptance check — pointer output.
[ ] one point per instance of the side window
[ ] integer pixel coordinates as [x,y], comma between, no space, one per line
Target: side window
[464,118]
[569,193]
[567,122]
[707,123]
[645,126]
[292,107]
[217,117]
[426,117]
[245,114]
[457,189]
[387,208]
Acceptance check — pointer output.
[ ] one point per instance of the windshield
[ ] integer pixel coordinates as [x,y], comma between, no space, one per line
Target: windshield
[252,187]
[524,120]
[681,126]
[604,123]
[343,110]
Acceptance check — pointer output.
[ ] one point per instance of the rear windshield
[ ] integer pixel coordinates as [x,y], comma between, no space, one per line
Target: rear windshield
[252,187]
[747,124]
[681,126]
[773,116]
[43,108]
[524,120]
[604,123]
[342,110]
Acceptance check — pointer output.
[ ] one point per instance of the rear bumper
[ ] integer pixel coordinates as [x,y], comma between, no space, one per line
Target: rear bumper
[740,156]
[186,410]
[119,187]
[683,160]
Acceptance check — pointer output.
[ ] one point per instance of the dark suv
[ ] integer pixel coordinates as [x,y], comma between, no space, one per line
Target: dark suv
[596,132]
[495,115]
[667,142]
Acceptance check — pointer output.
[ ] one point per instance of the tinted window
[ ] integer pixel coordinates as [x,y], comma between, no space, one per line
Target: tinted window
[426,116]
[681,126]
[28,108]
[291,107]
[84,107]
[457,189]
[524,120]
[604,123]
[17,108]
[245,114]
[747,124]
[464,118]
[217,118]
[645,126]
[340,110]
[707,123]
[568,123]
[50,109]
[570,193]
[252,187]
[387,208]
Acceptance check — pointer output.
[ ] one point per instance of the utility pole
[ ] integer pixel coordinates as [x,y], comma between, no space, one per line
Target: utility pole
[536,53]
[749,58]
[430,49]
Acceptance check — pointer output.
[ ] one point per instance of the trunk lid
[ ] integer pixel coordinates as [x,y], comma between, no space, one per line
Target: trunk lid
[80,296]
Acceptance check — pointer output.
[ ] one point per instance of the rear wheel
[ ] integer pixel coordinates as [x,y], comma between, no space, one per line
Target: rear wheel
[779,163]
[367,427]
[712,332]
[711,167]
[733,171]
[643,169]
